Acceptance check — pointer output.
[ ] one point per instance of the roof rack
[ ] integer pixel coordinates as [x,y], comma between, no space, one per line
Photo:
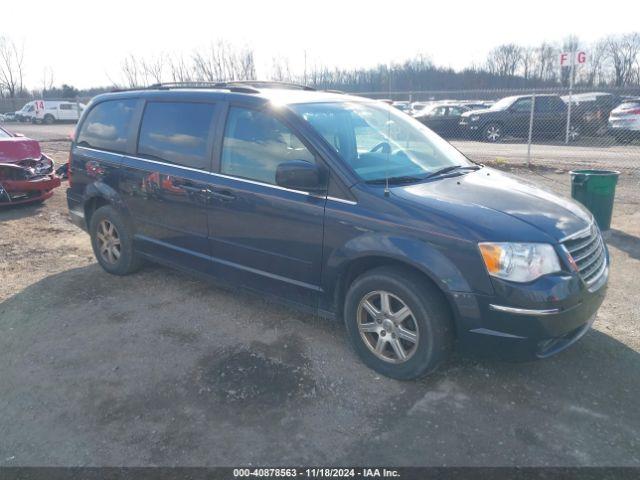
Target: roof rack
[240,86]
[224,85]
[267,84]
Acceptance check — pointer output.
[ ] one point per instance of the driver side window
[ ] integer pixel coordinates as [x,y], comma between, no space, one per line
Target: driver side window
[255,143]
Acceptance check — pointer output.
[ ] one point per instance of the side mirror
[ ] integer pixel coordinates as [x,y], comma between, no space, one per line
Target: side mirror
[18,135]
[301,175]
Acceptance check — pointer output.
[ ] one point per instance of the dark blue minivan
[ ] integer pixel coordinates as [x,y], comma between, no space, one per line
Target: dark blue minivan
[340,205]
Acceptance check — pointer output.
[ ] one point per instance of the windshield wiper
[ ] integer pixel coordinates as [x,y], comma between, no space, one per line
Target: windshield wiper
[395,180]
[452,168]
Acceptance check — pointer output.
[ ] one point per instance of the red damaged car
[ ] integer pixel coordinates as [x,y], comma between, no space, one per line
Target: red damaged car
[26,174]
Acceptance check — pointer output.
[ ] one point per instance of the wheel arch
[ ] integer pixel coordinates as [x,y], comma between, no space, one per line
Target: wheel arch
[99,194]
[417,255]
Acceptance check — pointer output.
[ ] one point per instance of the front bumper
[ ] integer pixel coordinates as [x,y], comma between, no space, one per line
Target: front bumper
[489,325]
[15,192]
[469,128]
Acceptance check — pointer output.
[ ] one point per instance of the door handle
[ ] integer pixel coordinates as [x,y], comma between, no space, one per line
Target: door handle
[189,188]
[224,195]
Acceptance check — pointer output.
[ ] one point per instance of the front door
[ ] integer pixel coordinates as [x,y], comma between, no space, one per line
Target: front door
[517,123]
[264,236]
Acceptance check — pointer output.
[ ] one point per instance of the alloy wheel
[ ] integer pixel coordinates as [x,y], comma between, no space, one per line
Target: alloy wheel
[387,326]
[493,133]
[108,241]
[574,133]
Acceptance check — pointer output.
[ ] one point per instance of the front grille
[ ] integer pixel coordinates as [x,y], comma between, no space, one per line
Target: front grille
[588,252]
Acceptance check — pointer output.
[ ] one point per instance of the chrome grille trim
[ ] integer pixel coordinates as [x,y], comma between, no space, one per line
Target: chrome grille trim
[587,250]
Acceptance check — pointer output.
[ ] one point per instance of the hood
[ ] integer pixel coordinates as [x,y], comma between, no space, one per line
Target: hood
[475,193]
[15,149]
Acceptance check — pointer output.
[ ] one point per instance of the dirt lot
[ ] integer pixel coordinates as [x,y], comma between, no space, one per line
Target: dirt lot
[162,369]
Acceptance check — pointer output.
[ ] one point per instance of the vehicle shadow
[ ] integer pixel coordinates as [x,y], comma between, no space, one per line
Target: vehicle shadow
[625,242]
[15,212]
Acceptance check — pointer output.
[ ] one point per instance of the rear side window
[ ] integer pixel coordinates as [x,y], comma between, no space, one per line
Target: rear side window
[255,143]
[107,125]
[177,132]
[65,106]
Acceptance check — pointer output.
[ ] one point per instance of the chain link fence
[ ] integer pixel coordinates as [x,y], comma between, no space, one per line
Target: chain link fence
[554,128]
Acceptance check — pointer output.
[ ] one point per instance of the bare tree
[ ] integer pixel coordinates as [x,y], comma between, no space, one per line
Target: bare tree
[595,70]
[622,52]
[47,80]
[132,71]
[545,59]
[11,67]
[504,60]
[527,61]
[152,69]
[280,69]
[180,70]
[222,61]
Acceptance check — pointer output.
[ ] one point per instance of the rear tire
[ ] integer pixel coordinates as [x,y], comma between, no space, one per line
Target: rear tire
[112,242]
[425,333]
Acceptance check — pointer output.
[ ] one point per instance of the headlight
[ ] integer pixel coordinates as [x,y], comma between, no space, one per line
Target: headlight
[45,165]
[474,118]
[519,262]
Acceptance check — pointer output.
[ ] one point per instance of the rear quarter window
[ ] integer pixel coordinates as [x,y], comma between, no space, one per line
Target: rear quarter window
[107,125]
[177,132]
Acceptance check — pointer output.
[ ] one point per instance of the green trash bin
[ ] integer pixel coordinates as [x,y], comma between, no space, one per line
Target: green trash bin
[596,189]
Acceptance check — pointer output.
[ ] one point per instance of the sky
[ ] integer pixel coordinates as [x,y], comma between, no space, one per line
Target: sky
[84,42]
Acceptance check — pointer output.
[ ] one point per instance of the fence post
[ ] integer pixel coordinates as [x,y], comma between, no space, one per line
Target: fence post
[533,106]
[571,72]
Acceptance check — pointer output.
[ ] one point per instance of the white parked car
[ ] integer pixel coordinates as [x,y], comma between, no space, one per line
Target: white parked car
[624,121]
[50,111]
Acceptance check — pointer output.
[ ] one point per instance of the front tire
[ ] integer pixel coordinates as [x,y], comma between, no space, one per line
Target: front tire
[112,242]
[48,119]
[398,323]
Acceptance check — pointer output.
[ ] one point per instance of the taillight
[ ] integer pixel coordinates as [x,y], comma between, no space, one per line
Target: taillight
[635,111]
[69,170]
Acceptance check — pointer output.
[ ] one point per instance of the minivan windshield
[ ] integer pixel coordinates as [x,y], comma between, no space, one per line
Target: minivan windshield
[378,142]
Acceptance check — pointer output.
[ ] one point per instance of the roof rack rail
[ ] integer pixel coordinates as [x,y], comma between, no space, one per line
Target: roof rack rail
[267,84]
[239,86]
[224,85]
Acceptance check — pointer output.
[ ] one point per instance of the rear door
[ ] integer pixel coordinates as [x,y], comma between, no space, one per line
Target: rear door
[167,180]
[548,116]
[262,235]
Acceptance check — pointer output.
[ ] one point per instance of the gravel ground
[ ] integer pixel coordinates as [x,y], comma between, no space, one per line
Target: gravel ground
[160,368]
